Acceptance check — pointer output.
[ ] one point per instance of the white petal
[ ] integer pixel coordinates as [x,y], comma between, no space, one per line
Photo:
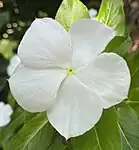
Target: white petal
[14,62]
[5,113]
[108,76]
[92,13]
[7,110]
[77,109]
[45,44]
[35,90]
[4,120]
[89,38]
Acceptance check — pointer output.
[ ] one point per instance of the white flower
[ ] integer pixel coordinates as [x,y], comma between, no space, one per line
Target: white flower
[67,75]
[5,113]
[14,62]
[92,13]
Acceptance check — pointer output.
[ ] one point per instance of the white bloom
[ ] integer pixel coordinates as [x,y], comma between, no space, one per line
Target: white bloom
[92,13]
[5,113]
[67,75]
[14,62]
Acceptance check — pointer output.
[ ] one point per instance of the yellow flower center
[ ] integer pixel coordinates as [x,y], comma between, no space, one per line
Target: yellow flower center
[70,71]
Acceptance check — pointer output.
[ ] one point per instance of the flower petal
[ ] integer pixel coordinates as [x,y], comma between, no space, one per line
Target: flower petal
[108,76]
[5,113]
[45,44]
[35,90]
[14,62]
[76,109]
[89,38]
[7,110]
[4,120]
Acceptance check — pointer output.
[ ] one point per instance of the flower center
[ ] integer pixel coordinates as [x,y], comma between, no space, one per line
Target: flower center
[70,71]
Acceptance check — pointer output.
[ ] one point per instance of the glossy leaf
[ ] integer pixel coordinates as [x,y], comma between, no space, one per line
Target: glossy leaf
[58,143]
[133,63]
[133,100]
[112,14]
[104,136]
[11,129]
[129,127]
[70,11]
[32,133]
[119,45]
[88,141]
[108,131]
[19,118]
[43,140]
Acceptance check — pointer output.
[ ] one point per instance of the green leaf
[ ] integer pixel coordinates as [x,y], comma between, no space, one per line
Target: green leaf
[10,130]
[108,132]
[70,11]
[6,48]
[43,139]
[104,136]
[129,127]
[11,100]
[88,141]
[119,45]
[134,95]
[58,143]
[133,63]
[19,117]
[128,115]
[33,133]
[112,14]
[133,100]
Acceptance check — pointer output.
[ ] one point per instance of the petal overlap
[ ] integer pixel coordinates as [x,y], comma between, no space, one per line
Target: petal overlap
[89,38]
[108,76]
[35,90]
[5,114]
[76,109]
